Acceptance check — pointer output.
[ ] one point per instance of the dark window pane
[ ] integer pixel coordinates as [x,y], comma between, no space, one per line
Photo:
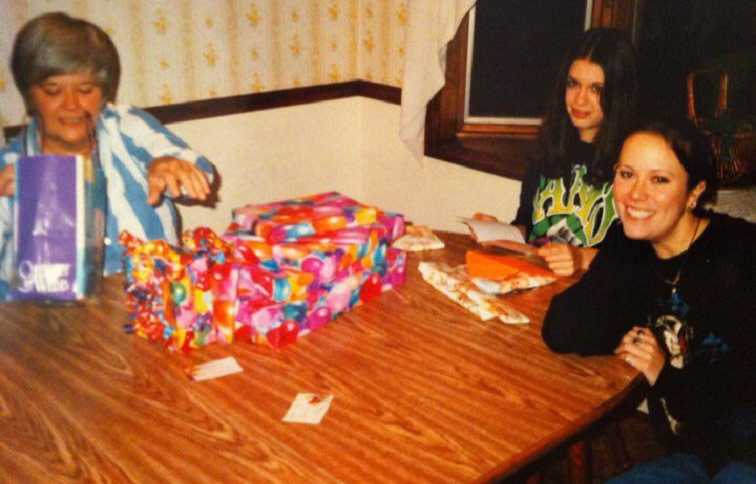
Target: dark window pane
[518,47]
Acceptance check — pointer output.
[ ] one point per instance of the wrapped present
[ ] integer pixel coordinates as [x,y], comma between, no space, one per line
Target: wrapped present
[500,274]
[500,267]
[210,292]
[455,283]
[295,218]
[323,234]
[396,273]
[258,283]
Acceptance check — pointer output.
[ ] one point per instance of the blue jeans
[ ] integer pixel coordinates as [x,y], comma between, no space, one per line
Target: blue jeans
[685,469]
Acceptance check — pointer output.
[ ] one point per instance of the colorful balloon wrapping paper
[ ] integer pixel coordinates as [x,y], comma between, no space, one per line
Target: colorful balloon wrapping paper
[280,270]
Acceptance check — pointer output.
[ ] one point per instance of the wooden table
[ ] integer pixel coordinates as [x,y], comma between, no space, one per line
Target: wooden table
[424,392]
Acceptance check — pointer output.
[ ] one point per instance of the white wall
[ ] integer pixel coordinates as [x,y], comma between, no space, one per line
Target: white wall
[428,191]
[350,145]
[280,153]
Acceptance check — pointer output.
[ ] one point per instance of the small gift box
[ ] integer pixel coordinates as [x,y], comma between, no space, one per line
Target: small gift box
[295,218]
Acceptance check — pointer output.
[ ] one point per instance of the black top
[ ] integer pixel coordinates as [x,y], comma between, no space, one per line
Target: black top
[566,209]
[707,326]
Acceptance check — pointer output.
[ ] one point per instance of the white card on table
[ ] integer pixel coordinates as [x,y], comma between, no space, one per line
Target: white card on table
[215,369]
[309,408]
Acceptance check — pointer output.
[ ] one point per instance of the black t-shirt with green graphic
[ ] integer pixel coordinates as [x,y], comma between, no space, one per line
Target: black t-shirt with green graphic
[564,210]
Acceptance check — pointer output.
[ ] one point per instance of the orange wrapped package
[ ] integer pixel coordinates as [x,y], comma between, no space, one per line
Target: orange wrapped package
[500,267]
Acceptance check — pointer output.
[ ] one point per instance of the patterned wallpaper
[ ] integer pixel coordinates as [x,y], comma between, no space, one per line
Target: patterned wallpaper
[175,51]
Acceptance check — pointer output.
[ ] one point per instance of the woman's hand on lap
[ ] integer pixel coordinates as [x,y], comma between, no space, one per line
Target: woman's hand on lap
[178,177]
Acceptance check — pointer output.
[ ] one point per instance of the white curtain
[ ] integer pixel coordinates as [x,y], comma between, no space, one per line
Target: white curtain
[432,25]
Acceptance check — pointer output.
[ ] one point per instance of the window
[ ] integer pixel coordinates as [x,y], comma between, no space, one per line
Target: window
[494,146]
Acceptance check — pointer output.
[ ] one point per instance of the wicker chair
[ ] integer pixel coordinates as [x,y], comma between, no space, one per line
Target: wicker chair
[733,137]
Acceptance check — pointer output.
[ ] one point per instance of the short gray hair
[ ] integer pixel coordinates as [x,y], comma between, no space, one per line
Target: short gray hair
[54,44]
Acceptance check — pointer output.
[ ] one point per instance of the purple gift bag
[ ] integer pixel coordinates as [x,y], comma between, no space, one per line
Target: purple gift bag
[59,226]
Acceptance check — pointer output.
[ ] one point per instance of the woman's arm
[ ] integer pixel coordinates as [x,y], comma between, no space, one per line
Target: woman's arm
[591,316]
[147,133]
[171,165]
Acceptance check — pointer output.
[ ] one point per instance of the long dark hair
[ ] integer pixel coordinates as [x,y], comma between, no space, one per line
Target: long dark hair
[613,51]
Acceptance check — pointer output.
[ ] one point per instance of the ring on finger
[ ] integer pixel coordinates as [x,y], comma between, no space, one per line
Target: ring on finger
[637,337]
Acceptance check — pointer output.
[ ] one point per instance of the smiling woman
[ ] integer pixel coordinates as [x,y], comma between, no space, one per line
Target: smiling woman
[67,104]
[653,196]
[67,71]
[671,293]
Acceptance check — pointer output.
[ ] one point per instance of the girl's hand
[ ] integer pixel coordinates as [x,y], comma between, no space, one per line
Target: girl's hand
[179,177]
[640,350]
[562,259]
[8,180]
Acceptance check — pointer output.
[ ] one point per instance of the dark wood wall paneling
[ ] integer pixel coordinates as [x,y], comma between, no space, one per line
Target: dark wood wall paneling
[244,103]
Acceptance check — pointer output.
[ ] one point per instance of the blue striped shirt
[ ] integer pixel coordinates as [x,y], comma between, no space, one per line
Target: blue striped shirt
[128,139]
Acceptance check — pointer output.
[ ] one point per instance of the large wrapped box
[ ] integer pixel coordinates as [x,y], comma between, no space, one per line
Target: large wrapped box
[268,288]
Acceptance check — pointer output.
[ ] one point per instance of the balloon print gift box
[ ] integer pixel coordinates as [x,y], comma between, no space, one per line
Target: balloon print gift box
[281,270]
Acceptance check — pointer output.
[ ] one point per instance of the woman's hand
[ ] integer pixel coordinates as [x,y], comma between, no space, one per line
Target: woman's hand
[179,177]
[8,180]
[562,259]
[640,350]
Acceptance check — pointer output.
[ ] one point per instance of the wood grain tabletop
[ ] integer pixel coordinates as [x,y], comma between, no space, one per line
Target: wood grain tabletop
[424,391]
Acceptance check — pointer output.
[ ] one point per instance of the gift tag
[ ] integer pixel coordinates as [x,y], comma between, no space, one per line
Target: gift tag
[215,369]
[309,408]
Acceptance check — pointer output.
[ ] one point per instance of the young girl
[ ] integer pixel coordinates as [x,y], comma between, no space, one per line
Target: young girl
[672,293]
[566,201]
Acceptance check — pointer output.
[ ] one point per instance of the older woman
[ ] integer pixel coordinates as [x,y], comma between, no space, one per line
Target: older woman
[672,294]
[67,71]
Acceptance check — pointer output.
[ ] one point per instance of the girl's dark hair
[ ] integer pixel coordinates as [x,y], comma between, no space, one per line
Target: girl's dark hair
[55,43]
[613,51]
[691,148]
